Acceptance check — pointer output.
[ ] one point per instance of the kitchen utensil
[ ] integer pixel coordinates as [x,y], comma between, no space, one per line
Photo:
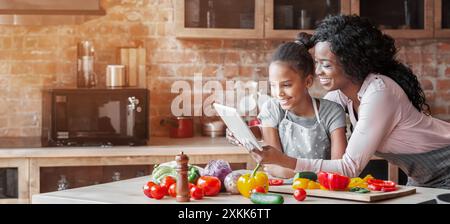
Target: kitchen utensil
[346,195]
[115,75]
[85,65]
[213,128]
[179,127]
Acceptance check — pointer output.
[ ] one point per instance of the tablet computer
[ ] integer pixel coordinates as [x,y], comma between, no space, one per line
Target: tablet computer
[237,126]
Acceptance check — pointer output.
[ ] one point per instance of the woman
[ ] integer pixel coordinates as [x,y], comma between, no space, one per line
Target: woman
[386,105]
[292,121]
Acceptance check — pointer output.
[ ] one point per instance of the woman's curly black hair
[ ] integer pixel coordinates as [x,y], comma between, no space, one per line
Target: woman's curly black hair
[363,49]
[296,56]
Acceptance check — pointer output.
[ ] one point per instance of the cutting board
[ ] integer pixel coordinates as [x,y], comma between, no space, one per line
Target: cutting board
[346,195]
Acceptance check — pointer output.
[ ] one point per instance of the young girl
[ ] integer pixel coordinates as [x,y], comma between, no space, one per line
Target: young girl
[294,122]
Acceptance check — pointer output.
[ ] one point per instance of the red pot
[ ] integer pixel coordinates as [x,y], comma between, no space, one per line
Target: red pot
[183,128]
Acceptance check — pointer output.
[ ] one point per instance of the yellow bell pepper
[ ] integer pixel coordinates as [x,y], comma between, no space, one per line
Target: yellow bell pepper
[247,182]
[305,184]
[357,182]
[368,177]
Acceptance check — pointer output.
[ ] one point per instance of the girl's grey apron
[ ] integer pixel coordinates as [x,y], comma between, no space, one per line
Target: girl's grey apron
[304,142]
[429,169]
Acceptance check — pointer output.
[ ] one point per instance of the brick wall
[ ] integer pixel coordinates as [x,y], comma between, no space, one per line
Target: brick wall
[37,57]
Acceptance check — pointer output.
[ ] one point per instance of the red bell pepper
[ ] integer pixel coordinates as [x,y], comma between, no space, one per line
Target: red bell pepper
[381,185]
[333,181]
[275,182]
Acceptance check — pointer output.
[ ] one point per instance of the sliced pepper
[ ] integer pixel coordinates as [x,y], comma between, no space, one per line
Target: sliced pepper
[333,181]
[275,182]
[359,190]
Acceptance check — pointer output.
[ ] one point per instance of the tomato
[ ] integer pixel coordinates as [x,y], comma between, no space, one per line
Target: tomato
[211,185]
[197,193]
[147,187]
[259,189]
[173,190]
[167,181]
[191,186]
[300,194]
[157,192]
[275,182]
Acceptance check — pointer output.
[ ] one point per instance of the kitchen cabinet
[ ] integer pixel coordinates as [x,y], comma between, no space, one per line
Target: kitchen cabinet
[14,175]
[55,7]
[442,18]
[49,12]
[219,19]
[284,19]
[398,18]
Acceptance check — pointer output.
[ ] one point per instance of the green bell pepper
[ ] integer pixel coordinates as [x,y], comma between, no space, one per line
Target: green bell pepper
[193,174]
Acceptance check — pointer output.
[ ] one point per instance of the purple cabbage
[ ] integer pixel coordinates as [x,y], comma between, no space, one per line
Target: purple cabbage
[217,168]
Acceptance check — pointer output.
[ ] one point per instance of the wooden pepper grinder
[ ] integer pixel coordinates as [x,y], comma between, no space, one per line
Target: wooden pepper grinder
[182,189]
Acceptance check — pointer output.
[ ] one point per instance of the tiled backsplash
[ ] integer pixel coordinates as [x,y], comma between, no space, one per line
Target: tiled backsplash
[37,57]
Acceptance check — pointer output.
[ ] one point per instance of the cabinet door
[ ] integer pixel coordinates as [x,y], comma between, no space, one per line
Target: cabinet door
[398,18]
[286,18]
[442,18]
[219,19]
[14,184]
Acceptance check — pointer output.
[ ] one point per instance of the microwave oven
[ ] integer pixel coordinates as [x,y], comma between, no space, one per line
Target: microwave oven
[95,117]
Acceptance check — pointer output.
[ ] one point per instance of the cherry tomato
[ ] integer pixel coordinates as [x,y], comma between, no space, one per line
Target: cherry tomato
[275,182]
[157,192]
[300,194]
[165,190]
[197,193]
[259,189]
[191,185]
[147,188]
[167,181]
[173,190]
[211,185]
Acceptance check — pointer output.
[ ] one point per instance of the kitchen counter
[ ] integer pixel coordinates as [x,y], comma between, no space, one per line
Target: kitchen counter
[130,192]
[29,161]
[158,146]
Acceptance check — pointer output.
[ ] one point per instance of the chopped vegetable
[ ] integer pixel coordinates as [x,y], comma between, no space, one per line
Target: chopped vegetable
[275,182]
[333,181]
[359,190]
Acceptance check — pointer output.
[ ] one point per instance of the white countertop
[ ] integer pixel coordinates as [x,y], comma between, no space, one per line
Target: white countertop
[130,192]
[158,146]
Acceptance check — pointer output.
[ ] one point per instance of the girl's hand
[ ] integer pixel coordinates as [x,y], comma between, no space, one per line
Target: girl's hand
[231,139]
[271,155]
